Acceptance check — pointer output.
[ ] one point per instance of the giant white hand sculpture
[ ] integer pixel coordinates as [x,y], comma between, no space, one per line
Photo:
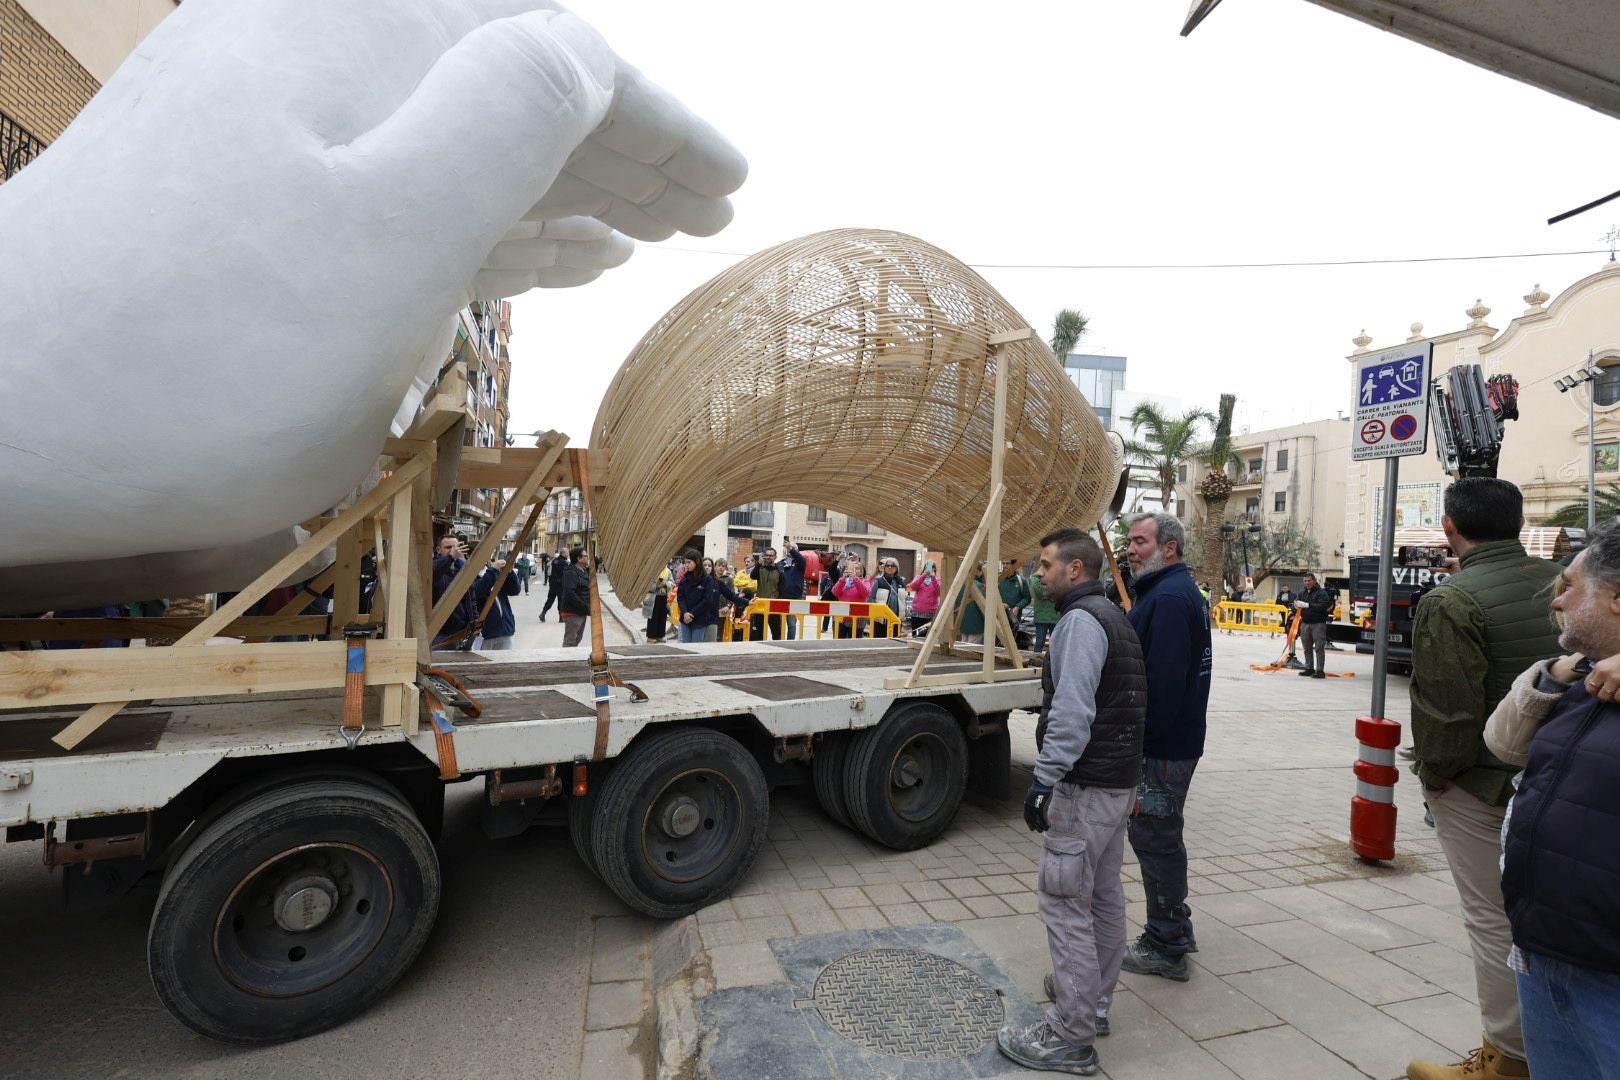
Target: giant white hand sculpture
[261,224]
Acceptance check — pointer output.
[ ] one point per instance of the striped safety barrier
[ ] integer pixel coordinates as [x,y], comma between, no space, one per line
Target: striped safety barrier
[1372,808]
[1260,618]
[810,615]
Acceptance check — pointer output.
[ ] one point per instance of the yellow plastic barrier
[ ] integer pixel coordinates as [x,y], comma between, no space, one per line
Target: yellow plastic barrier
[1255,618]
[810,615]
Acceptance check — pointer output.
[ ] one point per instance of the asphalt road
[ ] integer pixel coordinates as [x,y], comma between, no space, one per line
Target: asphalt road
[499,990]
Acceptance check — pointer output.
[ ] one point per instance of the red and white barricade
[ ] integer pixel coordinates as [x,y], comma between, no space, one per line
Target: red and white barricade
[1372,808]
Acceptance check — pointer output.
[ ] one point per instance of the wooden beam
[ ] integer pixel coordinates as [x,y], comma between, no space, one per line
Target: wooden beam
[957,678]
[134,629]
[1007,337]
[398,586]
[33,680]
[496,533]
[346,577]
[490,467]
[76,732]
[943,620]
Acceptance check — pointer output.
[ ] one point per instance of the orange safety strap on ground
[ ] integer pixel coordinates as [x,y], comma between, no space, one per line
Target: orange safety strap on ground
[355,636]
[1288,650]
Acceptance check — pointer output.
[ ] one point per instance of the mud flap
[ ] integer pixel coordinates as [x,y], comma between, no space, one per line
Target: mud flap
[990,764]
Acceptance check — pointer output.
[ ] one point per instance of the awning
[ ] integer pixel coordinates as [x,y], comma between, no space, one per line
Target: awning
[1569,47]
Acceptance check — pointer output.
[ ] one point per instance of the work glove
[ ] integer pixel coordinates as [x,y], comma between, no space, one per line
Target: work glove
[1035,804]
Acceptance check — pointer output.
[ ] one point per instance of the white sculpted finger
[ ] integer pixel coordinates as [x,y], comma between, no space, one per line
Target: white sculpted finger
[647,124]
[571,195]
[658,196]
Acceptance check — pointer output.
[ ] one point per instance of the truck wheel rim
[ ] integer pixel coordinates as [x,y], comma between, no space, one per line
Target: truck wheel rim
[916,788]
[303,919]
[692,826]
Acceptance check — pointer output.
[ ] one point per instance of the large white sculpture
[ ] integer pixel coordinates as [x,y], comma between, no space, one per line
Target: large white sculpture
[217,286]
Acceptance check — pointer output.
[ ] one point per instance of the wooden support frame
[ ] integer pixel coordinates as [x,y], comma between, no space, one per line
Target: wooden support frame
[350,518]
[552,443]
[960,584]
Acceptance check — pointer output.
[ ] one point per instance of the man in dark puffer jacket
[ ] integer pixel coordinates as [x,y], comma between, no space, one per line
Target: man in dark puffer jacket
[1089,741]
[1561,866]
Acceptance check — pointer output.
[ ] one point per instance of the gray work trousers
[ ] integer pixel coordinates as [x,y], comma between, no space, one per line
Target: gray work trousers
[1314,637]
[573,629]
[1470,834]
[1082,903]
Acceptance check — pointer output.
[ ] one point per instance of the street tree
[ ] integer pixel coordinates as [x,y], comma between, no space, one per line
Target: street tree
[1068,327]
[1281,547]
[1215,487]
[1573,516]
[1164,443]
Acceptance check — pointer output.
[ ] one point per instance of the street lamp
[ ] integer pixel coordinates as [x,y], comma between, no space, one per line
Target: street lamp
[1588,375]
[1253,529]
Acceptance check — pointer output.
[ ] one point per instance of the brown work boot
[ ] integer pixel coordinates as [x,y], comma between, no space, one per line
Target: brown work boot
[1486,1063]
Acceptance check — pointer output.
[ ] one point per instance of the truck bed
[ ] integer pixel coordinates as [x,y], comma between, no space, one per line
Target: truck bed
[537,709]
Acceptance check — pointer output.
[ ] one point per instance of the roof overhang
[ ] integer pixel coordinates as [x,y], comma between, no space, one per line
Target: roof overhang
[1568,47]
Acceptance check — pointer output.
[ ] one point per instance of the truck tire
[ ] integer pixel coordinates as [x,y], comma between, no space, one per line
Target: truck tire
[827,772]
[292,911]
[581,808]
[679,821]
[904,779]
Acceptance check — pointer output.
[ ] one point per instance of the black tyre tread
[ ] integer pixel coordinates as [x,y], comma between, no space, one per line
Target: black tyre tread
[865,778]
[827,774]
[615,812]
[580,812]
[238,824]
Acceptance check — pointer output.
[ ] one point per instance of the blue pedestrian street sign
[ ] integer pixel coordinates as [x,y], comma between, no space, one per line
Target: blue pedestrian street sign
[1391,403]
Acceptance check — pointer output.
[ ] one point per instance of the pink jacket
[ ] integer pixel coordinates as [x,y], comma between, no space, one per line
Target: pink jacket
[925,594]
[852,590]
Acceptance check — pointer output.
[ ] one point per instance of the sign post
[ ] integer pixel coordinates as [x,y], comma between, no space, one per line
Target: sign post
[1391,421]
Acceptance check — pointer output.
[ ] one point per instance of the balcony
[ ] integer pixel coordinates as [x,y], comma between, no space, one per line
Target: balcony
[1248,479]
[853,527]
[18,147]
[751,519]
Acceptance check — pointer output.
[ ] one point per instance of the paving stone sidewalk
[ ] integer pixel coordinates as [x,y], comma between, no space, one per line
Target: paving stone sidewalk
[1311,963]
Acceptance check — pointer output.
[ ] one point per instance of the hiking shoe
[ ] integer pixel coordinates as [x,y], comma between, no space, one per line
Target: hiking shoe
[1142,958]
[1486,1063]
[1050,985]
[1039,1047]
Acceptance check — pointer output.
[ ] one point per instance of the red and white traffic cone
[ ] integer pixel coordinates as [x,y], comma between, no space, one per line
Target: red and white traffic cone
[1372,808]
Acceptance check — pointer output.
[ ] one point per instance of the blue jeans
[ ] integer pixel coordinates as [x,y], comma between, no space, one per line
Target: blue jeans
[1155,835]
[1571,1019]
[1041,632]
[690,633]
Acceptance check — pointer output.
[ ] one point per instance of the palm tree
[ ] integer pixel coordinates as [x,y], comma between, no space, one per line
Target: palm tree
[1573,516]
[1166,443]
[1216,488]
[1068,327]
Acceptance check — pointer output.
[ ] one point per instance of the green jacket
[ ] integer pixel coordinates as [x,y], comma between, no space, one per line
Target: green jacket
[1473,636]
[1014,593]
[1046,612]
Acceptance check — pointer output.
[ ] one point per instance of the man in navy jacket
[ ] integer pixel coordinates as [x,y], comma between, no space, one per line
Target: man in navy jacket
[792,588]
[500,624]
[1170,620]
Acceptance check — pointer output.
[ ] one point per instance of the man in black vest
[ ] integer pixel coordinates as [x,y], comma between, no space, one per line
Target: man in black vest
[1089,742]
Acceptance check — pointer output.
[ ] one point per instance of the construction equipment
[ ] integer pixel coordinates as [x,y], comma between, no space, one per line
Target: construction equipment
[1468,413]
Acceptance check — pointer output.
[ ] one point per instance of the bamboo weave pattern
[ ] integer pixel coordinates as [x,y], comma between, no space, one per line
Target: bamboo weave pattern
[849,369]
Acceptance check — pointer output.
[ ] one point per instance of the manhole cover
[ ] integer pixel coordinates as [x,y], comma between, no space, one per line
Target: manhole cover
[907,1003]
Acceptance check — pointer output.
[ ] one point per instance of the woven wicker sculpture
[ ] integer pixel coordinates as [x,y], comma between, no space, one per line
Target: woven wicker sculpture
[850,369]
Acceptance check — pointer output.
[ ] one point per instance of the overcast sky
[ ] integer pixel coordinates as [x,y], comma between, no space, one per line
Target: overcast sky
[1086,133]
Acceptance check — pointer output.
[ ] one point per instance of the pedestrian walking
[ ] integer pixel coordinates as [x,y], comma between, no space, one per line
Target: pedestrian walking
[1561,724]
[555,583]
[1315,607]
[1088,764]
[574,602]
[658,619]
[1169,619]
[523,569]
[1472,637]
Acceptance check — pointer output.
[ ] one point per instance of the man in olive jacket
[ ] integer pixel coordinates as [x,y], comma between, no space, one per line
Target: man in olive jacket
[1473,636]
